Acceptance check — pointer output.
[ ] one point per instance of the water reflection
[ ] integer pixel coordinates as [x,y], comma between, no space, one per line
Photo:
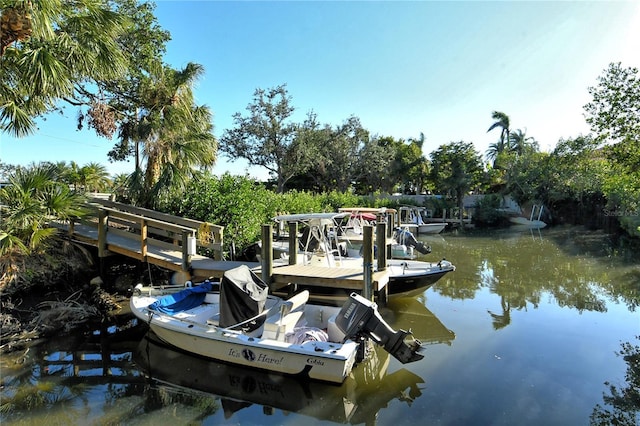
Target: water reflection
[367,390]
[578,270]
[118,374]
[624,402]
[42,383]
[412,314]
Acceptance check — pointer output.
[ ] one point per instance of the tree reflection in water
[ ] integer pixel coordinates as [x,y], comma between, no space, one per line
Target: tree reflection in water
[579,270]
[625,401]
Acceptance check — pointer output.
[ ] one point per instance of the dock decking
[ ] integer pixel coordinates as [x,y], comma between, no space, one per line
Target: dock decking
[170,242]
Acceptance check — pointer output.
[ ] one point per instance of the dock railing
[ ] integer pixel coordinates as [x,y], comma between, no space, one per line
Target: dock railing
[142,232]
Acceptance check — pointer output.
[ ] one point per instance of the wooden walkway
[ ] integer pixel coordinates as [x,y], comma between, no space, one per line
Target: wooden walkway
[168,241]
[173,243]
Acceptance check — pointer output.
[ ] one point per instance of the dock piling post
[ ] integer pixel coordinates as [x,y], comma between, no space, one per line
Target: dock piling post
[381,244]
[293,243]
[367,257]
[267,255]
[103,217]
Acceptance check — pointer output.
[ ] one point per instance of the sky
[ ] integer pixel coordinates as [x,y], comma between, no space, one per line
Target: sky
[402,67]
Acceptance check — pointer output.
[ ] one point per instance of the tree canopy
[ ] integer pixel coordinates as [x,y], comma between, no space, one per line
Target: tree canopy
[614,117]
[614,112]
[456,169]
[47,49]
[266,136]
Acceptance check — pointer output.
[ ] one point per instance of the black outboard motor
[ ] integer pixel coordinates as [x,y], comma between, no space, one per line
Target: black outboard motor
[404,236]
[360,316]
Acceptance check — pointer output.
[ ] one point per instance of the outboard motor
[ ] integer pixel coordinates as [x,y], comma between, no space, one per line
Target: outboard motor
[404,236]
[360,316]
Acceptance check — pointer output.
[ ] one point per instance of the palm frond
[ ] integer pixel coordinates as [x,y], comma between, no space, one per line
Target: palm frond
[40,236]
[11,243]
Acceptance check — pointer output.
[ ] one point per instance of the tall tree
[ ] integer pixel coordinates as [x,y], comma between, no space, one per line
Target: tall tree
[174,134]
[267,137]
[614,116]
[47,48]
[614,112]
[409,166]
[502,123]
[456,168]
[375,165]
[519,142]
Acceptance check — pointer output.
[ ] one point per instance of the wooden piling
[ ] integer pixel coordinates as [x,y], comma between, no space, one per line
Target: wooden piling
[103,216]
[267,255]
[293,243]
[367,264]
[381,245]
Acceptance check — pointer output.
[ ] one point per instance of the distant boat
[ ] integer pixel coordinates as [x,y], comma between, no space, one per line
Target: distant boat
[519,220]
[531,222]
[415,218]
[323,243]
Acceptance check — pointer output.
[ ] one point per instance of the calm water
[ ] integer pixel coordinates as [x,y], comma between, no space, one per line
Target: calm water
[529,330]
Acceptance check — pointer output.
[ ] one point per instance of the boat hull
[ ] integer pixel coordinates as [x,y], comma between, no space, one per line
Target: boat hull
[324,361]
[431,228]
[318,361]
[413,285]
[408,284]
[523,221]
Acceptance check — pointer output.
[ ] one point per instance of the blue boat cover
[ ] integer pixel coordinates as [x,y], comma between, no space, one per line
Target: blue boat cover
[182,300]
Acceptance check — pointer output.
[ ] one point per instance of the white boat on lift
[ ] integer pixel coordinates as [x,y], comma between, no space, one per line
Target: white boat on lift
[240,323]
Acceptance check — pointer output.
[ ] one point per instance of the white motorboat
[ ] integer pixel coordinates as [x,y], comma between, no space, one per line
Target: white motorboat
[241,324]
[417,219]
[534,220]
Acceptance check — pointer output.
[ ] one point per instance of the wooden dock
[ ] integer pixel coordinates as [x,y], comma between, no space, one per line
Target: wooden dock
[173,243]
[168,241]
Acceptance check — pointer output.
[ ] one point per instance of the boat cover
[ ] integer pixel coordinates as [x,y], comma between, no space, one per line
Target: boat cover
[182,300]
[242,296]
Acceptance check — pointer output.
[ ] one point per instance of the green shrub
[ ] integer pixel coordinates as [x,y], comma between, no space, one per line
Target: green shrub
[487,211]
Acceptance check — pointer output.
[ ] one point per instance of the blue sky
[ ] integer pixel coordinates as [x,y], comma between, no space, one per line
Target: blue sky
[403,68]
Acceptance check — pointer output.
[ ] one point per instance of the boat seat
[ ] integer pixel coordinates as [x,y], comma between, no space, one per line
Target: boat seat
[294,302]
[285,320]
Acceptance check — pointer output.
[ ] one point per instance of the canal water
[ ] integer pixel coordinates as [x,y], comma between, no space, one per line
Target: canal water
[534,327]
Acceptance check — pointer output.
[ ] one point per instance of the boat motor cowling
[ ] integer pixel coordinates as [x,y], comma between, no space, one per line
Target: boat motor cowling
[360,316]
[406,237]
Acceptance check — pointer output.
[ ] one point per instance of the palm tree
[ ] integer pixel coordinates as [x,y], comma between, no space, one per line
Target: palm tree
[120,184]
[494,151]
[173,133]
[94,177]
[52,46]
[34,197]
[519,142]
[502,122]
